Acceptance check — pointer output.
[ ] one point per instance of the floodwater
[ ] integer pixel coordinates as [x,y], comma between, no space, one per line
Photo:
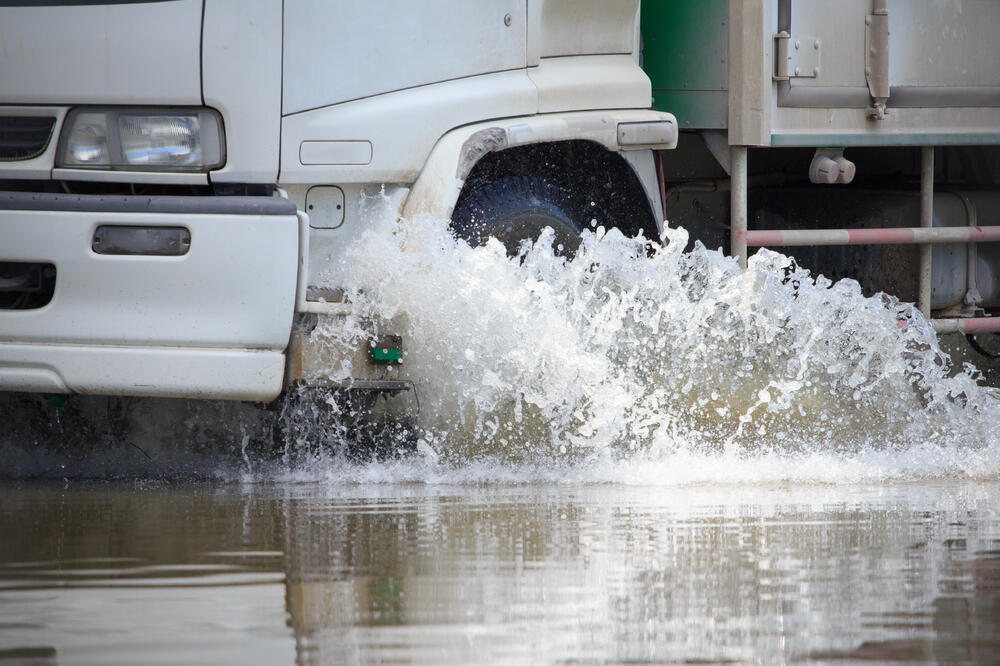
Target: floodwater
[499,573]
[637,456]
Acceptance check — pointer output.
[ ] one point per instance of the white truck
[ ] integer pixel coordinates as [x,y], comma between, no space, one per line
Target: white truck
[175,173]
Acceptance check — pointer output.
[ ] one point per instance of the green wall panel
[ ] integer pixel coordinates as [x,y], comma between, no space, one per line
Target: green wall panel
[684,49]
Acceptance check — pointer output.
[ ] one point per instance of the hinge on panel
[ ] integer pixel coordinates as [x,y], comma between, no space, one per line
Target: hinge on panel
[795,57]
[781,56]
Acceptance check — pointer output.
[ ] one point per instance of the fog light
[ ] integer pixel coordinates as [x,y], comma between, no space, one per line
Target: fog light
[131,240]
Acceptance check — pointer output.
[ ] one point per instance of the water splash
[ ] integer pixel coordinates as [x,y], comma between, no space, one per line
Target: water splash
[634,354]
[632,362]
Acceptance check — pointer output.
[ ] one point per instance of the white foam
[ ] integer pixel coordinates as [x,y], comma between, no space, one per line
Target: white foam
[667,368]
[672,368]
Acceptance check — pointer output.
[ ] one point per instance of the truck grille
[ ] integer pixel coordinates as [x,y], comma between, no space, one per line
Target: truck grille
[24,137]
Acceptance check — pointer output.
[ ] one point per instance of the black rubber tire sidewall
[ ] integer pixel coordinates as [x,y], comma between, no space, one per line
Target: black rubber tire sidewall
[517,208]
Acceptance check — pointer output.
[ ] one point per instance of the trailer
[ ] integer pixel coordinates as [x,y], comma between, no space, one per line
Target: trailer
[860,137]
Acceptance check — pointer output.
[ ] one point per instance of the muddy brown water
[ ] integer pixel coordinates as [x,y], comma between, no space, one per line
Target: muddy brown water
[499,573]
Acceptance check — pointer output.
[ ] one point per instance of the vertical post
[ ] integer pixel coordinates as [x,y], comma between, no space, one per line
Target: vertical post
[738,203]
[926,220]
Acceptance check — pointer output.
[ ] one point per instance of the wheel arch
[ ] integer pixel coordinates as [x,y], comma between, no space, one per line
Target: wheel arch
[584,169]
[618,142]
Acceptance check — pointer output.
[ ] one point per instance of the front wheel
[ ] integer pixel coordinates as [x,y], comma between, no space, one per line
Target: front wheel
[514,209]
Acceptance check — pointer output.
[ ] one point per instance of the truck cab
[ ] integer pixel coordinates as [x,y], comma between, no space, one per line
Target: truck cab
[174,175]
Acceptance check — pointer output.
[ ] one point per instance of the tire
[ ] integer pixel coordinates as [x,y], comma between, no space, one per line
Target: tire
[513,209]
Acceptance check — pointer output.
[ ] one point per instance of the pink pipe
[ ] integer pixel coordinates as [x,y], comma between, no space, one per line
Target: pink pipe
[888,236]
[964,325]
[967,326]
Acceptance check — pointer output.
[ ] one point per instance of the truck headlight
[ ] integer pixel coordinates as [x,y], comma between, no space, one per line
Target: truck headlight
[142,140]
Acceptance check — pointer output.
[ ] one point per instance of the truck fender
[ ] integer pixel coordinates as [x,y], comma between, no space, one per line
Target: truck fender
[440,182]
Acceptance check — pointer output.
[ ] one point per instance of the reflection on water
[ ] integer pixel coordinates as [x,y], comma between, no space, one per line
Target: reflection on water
[499,573]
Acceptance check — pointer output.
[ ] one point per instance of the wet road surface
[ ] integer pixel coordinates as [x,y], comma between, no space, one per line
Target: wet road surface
[499,573]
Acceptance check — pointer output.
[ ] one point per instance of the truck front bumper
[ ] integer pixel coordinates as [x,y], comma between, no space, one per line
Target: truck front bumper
[210,320]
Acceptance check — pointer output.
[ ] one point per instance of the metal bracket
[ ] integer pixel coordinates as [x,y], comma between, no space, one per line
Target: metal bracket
[717,143]
[877,60]
[796,57]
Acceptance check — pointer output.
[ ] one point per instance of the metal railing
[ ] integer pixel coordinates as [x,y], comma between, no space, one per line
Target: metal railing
[926,235]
